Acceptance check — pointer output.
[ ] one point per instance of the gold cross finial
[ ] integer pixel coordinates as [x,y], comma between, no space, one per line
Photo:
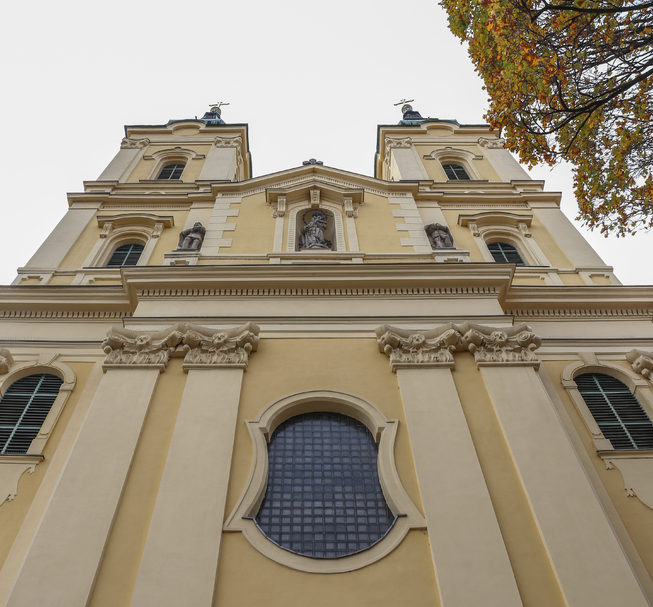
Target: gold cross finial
[216,106]
[405,101]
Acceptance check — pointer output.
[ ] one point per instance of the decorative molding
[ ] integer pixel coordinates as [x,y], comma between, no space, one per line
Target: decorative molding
[405,348]
[523,228]
[219,347]
[12,467]
[371,292]
[231,142]
[492,144]
[6,360]
[636,468]
[384,432]
[100,314]
[134,144]
[278,207]
[501,346]
[133,349]
[584,313]
[106,229]
[315,198]
[351,207]
[641,361]
[473,228]
[390,144]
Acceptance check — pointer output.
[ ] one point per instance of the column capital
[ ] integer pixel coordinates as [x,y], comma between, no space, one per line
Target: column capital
[641,362]
[128,349]
[501,346]
[215,348]
[418,349]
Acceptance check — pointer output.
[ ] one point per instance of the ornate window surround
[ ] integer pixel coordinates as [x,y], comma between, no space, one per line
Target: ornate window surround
[384,432]
[171,156]
[142,228]
[501,226]
[12,467]
[464,158]
[635,465]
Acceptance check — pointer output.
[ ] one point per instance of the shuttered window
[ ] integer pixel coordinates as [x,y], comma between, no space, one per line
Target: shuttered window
[125,255]
[502,252]
[171,171]
[323,498]
[617,412]
[23,409]
[456,172]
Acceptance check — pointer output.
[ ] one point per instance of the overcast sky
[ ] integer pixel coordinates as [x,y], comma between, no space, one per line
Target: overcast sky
[313,80]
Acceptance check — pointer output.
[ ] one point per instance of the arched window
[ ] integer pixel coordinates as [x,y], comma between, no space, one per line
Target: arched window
[323,498]
[617,412]
[503,252]
[23,409]
[455,172]
[171,171]
[125,255]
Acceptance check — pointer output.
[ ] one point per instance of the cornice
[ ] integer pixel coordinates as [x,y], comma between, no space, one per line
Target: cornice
[352,277]
[65,301]
[579,301]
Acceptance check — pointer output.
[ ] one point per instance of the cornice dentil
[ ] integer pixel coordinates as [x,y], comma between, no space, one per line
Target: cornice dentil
[405,348]
[500,346]
[641,362]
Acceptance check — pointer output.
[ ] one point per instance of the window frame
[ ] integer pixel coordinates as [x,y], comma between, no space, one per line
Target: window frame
[175,164]
[384,432]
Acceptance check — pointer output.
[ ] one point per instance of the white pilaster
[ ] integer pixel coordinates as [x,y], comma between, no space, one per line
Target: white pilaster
[466,542]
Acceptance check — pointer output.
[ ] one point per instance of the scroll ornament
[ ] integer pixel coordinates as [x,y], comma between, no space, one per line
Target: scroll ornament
[219,348]
[431,348]
[6,360]
[642,362]
[126,347]
[513,345]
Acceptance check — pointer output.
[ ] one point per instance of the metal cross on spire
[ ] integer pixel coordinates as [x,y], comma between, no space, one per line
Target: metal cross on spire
[216,106]
[405,101]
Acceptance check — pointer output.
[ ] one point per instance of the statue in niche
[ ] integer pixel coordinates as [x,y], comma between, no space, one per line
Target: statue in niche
[439,236]
[312,234]
[192,238]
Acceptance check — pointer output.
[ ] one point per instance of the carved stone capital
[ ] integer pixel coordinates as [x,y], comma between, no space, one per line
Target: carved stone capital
[501,346]
[135,349]
[228,142]
[279,207]
[642,362]
[405,348]
[6,360]
[492,144]
[391,143]
[133,144]
[219,347]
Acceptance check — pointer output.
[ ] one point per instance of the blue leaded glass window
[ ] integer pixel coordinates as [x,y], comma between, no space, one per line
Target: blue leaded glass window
[23,409]
[323,497]
[617,412]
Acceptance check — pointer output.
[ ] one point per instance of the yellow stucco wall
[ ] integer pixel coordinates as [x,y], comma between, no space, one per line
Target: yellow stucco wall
[117,574]
[533,572]
[376,227]
[254,231]
[637,517]
[13,513]
[246,577]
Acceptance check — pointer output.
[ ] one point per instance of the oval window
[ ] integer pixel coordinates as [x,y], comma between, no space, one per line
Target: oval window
[323,497]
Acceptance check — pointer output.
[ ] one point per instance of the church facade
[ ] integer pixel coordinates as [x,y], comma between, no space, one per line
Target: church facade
[317,387]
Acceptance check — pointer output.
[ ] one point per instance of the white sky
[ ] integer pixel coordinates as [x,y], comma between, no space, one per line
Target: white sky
[312,79]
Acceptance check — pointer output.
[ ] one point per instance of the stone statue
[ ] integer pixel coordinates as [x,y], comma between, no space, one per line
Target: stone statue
[312,234]
[439,236]
[192,239]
